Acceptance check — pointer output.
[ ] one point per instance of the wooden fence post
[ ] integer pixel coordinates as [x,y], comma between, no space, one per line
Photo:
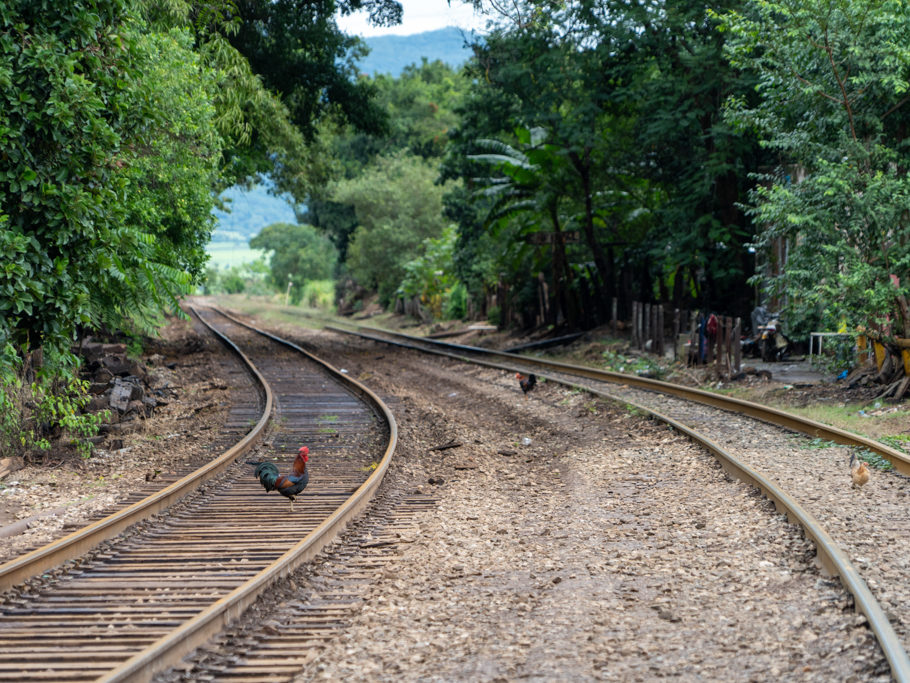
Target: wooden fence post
[709,350]
[647,331]
[719,343]
[613,308]
[642,325]
[737,346]
[694,345]
[676,329]
[660,330]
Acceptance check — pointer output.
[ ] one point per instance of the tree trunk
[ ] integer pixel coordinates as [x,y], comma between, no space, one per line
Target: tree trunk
[606,286]
[561,274]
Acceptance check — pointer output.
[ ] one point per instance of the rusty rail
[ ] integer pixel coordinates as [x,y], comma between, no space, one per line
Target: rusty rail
[144,602]
[82,540]
[830,555]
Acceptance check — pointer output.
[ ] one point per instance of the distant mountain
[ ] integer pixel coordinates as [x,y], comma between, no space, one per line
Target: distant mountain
[390,54]
[250,212]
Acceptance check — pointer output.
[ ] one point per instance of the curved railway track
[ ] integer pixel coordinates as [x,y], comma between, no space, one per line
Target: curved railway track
[786,481]
[141,600]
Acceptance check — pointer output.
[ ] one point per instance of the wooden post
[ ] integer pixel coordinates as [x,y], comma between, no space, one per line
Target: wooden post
[719,344]
[633,339]
[737,346]
[613,309]
[647,331]
[694,349]
[660,330]
[655,329]
[676,330]
[642,325]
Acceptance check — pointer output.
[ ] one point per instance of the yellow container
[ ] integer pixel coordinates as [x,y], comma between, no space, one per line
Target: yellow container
[879,354]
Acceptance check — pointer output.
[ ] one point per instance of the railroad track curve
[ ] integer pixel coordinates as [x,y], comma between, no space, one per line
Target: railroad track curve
[141,600]
[757,444]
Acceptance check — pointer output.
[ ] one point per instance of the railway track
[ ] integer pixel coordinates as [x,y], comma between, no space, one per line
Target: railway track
[862,536]
[143,587]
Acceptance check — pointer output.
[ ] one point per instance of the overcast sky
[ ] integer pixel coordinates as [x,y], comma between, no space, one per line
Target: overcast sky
[419,16]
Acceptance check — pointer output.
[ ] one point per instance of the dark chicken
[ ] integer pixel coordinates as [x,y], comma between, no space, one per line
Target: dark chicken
[289,485]
[526,383]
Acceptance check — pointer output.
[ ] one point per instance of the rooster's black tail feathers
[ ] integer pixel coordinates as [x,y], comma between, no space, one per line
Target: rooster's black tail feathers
[266,472]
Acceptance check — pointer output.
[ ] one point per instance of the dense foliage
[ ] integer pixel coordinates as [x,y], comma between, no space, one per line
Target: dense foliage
[385,202]
[590,150]
[298,254]
[397,207]
[120,123]
[298,50]
[643,173]
[833,81]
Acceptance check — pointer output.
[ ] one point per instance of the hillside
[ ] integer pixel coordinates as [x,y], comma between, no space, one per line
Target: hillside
[390,54]
[250,212]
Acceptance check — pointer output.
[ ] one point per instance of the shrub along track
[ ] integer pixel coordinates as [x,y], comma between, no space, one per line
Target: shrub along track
[872,525]
[139,602]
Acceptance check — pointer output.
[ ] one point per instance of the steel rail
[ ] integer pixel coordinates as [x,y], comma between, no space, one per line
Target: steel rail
[900,461]
[831,557]
[82,540]
[170,649]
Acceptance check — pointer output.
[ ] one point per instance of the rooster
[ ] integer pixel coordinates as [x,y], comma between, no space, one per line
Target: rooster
[859,471]
[287,485]
[526,383]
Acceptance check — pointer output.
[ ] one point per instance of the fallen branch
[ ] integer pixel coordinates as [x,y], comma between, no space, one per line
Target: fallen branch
[446,446]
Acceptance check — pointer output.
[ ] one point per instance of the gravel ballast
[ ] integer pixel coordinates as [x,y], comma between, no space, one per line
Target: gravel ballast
[576,540]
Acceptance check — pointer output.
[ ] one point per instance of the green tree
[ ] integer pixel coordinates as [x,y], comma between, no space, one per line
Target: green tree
[631,94]
[254,123]
[297,254]
[398,206]
[665,66]
[420,105]
[110,159]
[111,153]
[532,182]
[430,277]
[296,47]
[833,80]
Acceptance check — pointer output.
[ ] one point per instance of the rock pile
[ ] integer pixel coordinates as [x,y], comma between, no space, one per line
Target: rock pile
[118,383]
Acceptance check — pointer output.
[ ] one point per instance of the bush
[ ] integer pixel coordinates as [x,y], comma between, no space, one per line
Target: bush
[319,294]
[38,404]
[456,306]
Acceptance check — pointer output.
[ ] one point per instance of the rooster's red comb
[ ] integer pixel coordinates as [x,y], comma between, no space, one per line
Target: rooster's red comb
[304,450]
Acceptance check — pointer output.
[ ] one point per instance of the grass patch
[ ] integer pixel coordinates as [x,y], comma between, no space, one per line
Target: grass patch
[859,419]
[645,366]
[270,310]
[899,442]
[874,460]
[633,411]
[227,254]
[812,444]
